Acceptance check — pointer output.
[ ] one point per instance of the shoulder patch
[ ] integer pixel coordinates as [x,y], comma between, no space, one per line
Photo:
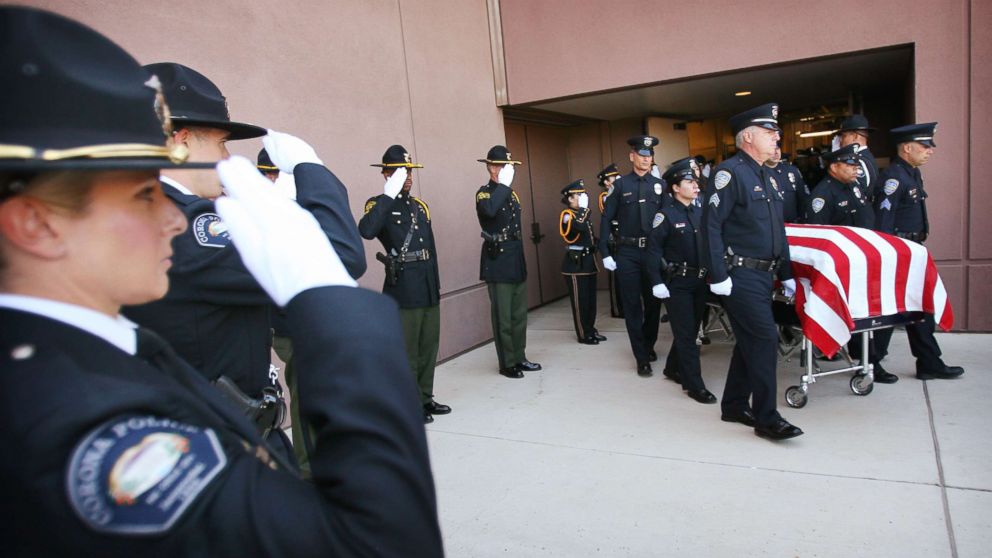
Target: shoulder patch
[818,204]
[890,186]
[482,196]
[136,474]
[715,199]
[369,205]
[659,218]
[721,179]
[210,231]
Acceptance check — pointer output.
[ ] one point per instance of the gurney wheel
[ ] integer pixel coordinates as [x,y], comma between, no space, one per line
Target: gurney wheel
[860,384]
[795,397]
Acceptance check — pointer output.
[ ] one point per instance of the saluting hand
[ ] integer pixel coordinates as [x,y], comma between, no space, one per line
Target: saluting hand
[583,201]
[395,182]
[287,151]
[505,176]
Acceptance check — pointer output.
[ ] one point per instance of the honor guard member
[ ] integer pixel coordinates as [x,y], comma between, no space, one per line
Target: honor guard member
[579,266]
[901,209]
[502,265]
[402,223]
[790,183]
[215,314]
[678,272]
[635,200]
[747,249]
[115,446]
[265,166]
[607,177]
[855,129]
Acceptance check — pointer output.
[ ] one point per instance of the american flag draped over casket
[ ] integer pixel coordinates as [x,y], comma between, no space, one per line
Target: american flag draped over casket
[847,273]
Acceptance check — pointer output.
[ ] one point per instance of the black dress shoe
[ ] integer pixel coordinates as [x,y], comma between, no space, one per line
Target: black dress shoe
[945,373]
[428,418]
[598,336]
[883,377]
[664,319]
[745,417]
[702,395]
[704,339]
[644,370]
[511,372]
[529,366]
[673,376]
[778,430]
[589,341]
[435,408]
[652,356]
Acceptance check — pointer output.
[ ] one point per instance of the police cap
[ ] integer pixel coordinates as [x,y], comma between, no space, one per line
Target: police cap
[922,133]
[847,155]
[679,170]
[765,116]
[610,170]
[264,163]
[577,187]
[397,156]
[855,123]
[643,145]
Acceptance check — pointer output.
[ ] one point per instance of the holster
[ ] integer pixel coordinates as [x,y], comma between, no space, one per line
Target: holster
[490,245]
[267,412]
[392,265]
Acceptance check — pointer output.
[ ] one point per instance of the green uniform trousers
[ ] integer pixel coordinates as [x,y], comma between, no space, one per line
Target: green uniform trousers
[422,332]
[509,315]
[302,434]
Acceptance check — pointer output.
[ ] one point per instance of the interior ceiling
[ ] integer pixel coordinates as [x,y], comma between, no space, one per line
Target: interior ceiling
[794,86]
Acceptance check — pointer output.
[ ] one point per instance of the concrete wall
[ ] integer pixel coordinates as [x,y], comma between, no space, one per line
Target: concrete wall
[552,51]
[351,77]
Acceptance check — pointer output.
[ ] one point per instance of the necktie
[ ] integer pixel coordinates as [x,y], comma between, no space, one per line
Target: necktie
[777,228]
[923,200]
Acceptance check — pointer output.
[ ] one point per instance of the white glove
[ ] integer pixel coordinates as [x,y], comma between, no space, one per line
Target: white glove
[583,201]
[395,182]
[505,176]
[655,172]
[287,151]
[722,288]
[609,263]
[280,242]
[660,291]
[789,287]
[286,185]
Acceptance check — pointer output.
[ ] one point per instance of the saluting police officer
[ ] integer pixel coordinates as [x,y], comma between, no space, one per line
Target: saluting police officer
[607,177]
[215,314]
[635,200]
[677,268]
[402,223]
[855,129]
[790,183]
[747,250]
[502,265]
[901,209]
[114,445]
[579,266]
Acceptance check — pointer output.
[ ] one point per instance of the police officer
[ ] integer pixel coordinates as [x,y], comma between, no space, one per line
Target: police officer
[677,268]
[790,183]
[579,266]
[114,445]
[402,223]
[501,263]
[635,200]
[855,129]
[901,209]
[607,177]
[747,250]
[215,314]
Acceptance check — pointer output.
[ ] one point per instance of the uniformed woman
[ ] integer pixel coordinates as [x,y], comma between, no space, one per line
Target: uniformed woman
[116,447]
[606,178]
[677,268]
[579,266]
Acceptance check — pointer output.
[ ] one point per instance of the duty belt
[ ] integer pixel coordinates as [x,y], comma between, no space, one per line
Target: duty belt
[418,256]
[584,249]
[915,237]
[640,241]
[682,270]
[754,263]
[503,237]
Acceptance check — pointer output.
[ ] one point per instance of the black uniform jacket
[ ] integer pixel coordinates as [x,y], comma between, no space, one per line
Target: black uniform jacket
[390,220]
[743,214]
[795,192]
[498,208]
[632,204]
[575,227]
[215,314]
[677,238]
[834,203]
[868,174]
[900,202]
[107,455]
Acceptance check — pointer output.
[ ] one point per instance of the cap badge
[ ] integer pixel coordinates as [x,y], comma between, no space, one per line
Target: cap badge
[406,157]
[647,142]
[775,112]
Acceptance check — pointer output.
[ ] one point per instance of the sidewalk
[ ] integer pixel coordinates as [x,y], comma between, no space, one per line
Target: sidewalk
[587,459]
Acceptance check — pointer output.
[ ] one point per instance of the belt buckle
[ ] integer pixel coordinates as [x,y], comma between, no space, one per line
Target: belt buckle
[701,273]
[641,242]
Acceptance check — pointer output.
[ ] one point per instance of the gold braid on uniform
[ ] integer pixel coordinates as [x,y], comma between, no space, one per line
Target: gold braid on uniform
[565,226]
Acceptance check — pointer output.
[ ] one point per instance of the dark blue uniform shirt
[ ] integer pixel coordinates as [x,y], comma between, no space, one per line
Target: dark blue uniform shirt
[675,239]
[900,204]
[632,204]
[834,203]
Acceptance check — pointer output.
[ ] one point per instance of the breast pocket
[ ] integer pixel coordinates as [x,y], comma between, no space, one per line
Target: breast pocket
[760,205]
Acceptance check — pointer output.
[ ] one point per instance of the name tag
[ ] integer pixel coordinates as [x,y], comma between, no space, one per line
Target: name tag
[679,225]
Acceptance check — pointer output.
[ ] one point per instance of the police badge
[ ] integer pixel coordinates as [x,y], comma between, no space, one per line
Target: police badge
[657,188]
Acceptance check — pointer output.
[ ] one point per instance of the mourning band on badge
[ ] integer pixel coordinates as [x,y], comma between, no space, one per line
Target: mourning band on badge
[659,218]
[210,231]
[722,179]
[137,475]
[890,186]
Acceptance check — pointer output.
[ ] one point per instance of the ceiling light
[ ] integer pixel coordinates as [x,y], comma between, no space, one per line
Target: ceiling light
[817,134]
[742,93]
